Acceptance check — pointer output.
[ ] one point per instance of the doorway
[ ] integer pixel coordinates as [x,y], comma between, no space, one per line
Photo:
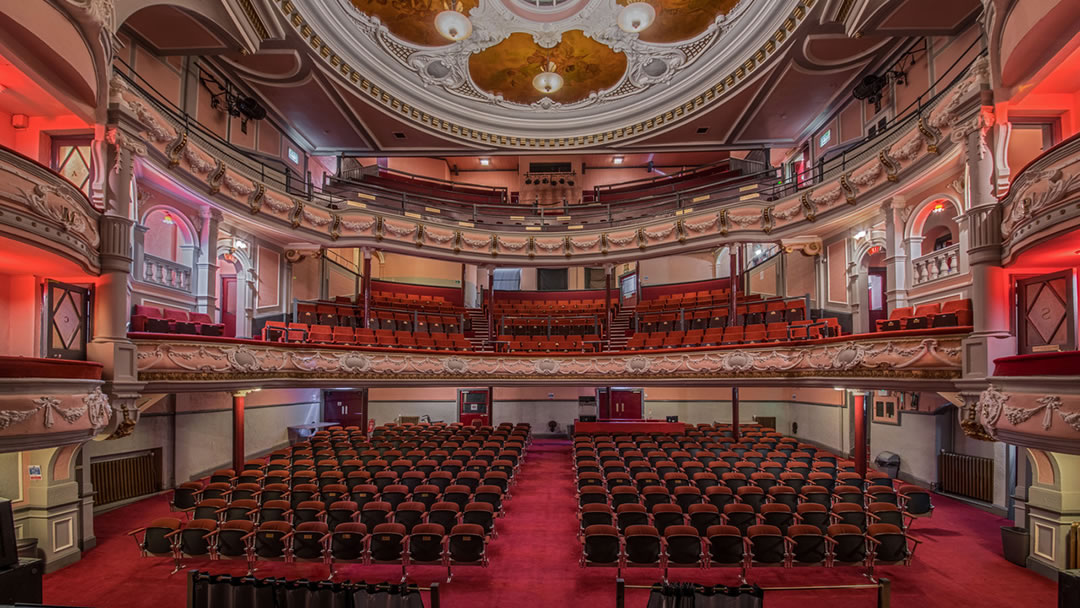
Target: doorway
[474,406]
[624,404]
[228,305]
[347,408]
[67,320]
[876,296]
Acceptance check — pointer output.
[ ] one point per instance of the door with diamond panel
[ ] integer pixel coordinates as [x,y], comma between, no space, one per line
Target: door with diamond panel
[67,320]
[1046,313]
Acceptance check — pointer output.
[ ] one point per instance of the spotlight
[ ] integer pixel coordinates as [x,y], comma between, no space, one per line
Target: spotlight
[545,181]
[570,183]
[528,182]
[562,181]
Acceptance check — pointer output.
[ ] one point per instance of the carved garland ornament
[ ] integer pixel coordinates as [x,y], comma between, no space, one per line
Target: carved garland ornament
[993,404]
[95,404]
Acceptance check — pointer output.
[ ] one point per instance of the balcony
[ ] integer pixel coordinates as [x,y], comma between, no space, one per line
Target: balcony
[45,214]
[927,359]
[49,402]
[166,273]
[936,265]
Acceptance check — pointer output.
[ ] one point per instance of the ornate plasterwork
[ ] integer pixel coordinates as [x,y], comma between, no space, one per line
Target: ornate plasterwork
[18,412]
[878,166]
[1017,411]
[677,79]
[937,357]
[1046,195]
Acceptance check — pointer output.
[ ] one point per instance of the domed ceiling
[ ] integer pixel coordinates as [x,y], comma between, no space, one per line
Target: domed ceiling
[552,74]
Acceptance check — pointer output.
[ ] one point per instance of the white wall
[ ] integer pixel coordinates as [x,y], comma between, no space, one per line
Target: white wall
[915,440]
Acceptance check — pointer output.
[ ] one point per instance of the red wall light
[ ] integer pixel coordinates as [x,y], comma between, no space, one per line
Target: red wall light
[876,249]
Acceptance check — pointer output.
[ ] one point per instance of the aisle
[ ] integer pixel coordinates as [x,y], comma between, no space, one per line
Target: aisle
[534,562]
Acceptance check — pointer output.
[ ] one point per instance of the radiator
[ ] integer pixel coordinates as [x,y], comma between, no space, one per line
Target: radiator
[126,476]
[1072,547]
[963,475]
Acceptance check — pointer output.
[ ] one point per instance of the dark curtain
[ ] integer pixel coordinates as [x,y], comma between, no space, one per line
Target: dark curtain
[224,591]
[552,279]
[688,595]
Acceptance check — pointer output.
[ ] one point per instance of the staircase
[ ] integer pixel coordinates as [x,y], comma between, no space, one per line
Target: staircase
[480,335]
[621,328]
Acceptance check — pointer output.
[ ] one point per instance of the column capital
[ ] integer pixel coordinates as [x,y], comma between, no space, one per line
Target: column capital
[211,213]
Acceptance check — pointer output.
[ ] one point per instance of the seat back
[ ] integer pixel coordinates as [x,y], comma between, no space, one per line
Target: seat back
[466,543]
[726,545]
[642,545]
[426,543]
[601,544]
[766,544]
[348,542]
[308,540]
[809,547]
[850,544]
[683,545]
[387,542]
[270,539]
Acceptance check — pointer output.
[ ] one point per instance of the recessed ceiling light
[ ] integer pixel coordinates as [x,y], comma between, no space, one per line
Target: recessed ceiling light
[485,162]
[617,160]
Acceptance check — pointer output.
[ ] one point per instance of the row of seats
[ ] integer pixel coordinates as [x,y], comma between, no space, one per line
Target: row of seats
[952,313]
[723,546]
[666,185]
[549,307]
[378,318]
[278,331]
[549,326]
[775,311]
[280,541]
[694,299]
[170,321]
[751,334]
[556,344]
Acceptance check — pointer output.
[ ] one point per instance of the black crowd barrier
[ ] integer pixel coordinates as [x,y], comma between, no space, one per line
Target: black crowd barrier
[225,591]
[691,595]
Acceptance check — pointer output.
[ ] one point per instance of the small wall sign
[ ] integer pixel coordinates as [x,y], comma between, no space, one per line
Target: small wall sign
[35,472]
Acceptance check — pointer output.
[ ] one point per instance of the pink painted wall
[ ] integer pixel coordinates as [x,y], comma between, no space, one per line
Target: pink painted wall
[837,264]
[800,275]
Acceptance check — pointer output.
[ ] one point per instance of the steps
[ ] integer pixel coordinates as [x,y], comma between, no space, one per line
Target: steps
[480,335]
[621,328]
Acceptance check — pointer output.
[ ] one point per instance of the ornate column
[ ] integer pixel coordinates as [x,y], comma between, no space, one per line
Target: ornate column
[897,254]
[206,265]
[991,308]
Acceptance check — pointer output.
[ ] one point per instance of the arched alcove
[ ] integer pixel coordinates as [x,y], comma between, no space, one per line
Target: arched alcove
[169,235]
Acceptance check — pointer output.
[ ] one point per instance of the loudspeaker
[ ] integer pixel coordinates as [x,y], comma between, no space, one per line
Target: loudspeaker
[1068,588]
[8,552]
[21,583]
[587,418]
[672,418]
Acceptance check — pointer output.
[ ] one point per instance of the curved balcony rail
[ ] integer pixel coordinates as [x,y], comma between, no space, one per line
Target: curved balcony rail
[930,360]
[50,402]
[166,273]
[40,206]
[1043,200]
[936,265]
[713,216]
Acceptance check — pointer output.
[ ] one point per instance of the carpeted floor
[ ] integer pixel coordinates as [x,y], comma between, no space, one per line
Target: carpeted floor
[534,562]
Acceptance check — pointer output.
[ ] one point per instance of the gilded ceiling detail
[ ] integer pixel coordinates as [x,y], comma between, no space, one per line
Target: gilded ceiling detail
[411,20]
[508,68]
[678,20]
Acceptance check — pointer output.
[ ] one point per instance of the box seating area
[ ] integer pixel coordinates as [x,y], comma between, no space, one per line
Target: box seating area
[170,321]
[692,299]
[708,499]
[953,313]
[408,495]
[556,344]
[736,334]
[279,331]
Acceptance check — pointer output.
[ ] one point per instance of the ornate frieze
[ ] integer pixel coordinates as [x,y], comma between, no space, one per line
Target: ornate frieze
[1028,414]
[936,357]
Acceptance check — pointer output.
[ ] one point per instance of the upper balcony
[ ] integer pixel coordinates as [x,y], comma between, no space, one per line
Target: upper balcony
[730,205]
[1043,202]
[50,402]
[42,212]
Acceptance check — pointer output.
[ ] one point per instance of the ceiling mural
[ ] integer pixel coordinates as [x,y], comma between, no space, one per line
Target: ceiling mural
[510,68]
[413,20]
[678,20]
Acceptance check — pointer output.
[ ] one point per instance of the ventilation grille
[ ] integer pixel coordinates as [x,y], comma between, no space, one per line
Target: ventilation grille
[969,476]
[130,475]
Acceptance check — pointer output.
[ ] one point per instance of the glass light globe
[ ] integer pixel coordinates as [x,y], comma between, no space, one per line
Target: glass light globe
[548,82]
[453,25]
[636,17]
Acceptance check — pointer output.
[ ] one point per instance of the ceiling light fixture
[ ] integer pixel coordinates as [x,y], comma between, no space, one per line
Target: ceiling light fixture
[939,207]
[548,81]
[636,17]
[168,219]
[452,24]
[617,160]
[860,234]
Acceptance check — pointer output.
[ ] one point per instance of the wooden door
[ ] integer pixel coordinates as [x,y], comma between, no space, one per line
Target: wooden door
[1046,313]
[474,406]
[621,404]
[347,408]
[67,320]
[228,305]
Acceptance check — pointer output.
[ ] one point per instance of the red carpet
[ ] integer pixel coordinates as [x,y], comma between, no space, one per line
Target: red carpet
[534,562]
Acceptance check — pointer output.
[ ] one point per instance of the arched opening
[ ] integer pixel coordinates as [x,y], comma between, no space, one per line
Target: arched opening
[228,293]
[169,249]
[877,274]
[934,240]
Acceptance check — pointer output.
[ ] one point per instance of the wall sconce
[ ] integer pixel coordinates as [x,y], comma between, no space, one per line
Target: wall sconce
[20,121]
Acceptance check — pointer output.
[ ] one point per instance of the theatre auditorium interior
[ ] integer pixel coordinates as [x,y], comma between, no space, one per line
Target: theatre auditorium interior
[539,303]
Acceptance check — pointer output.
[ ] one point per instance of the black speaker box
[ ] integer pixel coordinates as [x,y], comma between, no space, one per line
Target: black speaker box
[1068,588]
[8,552]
